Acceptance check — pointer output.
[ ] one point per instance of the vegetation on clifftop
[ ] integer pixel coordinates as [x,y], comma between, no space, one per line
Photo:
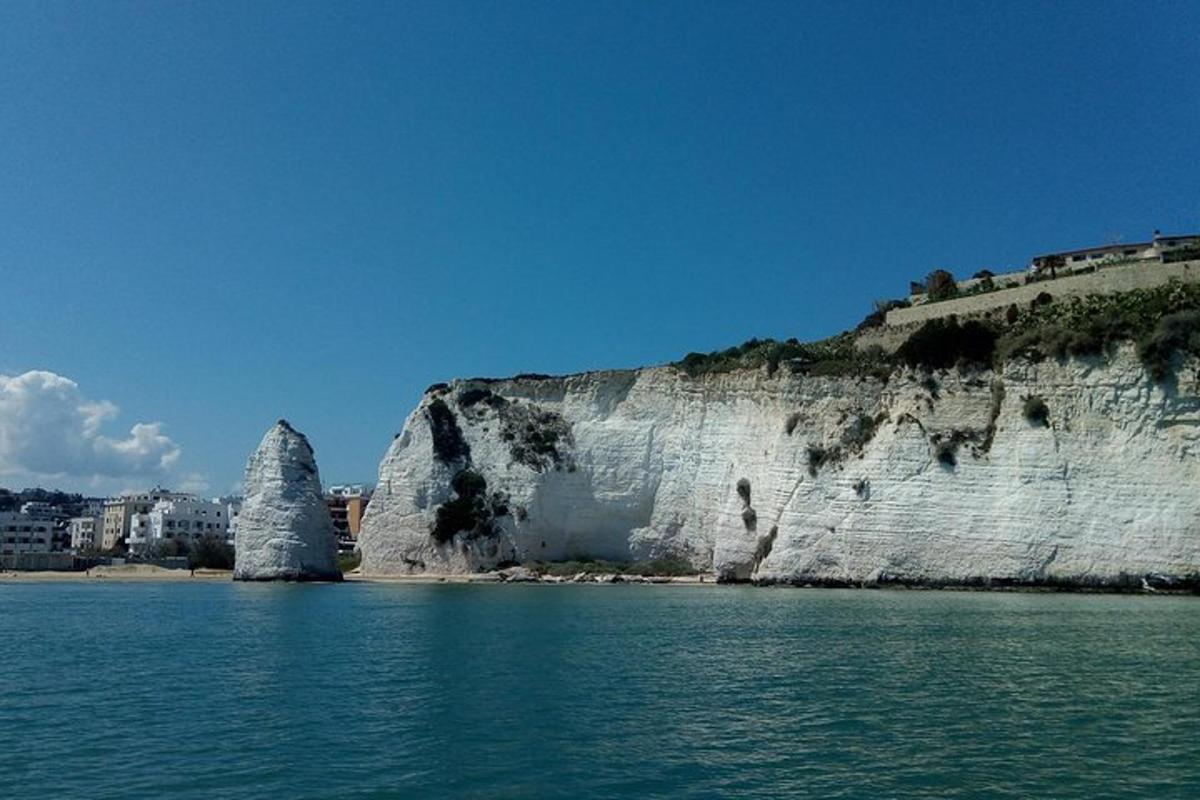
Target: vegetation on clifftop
[834,356]
[1161,321]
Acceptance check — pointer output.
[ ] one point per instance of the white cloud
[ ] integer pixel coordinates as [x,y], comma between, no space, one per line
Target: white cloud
[49,429]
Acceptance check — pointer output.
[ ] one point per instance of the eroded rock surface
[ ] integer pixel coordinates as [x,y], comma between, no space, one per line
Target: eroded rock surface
[284,531]
[942,478]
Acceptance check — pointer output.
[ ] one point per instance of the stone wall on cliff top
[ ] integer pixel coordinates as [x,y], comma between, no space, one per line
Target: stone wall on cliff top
[940,478]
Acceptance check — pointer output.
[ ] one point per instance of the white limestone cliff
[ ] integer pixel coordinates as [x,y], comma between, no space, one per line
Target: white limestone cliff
[284,530]
[791,478]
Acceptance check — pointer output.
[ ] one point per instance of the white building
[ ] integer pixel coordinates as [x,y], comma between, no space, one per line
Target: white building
[1161,248]
[36,508]
[119,513]
[25,533]
[186,518]
[85,532]
[233,507]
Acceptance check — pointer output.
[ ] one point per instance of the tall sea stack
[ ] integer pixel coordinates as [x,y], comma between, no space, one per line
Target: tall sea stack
[284,531]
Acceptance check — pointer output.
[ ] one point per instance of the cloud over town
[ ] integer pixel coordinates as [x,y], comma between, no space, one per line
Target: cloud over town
[49,428]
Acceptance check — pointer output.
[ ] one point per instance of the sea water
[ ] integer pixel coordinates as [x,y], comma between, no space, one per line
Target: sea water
[222,690]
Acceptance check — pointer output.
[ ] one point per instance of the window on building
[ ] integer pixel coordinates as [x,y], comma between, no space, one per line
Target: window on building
[1078,258]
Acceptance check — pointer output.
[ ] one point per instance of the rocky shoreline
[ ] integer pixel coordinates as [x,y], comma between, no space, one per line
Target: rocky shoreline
[1140,585]
[525,575]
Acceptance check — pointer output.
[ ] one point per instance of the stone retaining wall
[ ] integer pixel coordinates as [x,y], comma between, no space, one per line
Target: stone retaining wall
[1106,280]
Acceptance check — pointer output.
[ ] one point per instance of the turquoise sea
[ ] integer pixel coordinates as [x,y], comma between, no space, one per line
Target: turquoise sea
[215,690]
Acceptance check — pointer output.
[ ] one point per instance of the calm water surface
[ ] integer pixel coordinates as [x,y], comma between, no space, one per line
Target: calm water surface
[384,691]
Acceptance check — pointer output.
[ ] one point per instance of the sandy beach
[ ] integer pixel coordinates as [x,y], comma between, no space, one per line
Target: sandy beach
[126,572]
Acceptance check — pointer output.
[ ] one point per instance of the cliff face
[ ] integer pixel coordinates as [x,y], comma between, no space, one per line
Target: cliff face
[284,530]
[1078,472]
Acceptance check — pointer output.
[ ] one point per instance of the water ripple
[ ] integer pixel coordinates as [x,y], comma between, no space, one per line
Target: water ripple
[380,691]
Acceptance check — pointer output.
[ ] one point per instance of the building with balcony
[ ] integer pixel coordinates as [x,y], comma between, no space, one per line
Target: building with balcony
[85,532]
[1162,248]
[347,504]
[119,513]
[25,533]
[182,518]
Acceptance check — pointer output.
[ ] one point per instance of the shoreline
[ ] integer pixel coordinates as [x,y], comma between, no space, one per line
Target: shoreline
[126,573]
[544,580]
[153,574]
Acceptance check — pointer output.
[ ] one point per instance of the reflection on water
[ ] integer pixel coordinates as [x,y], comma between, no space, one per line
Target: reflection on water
[357,691]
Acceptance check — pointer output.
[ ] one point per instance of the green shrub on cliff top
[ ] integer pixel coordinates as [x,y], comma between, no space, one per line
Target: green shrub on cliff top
[834,356]
[940,285]
[1068,327]
[1161,321]
[1178,332]
[944,343]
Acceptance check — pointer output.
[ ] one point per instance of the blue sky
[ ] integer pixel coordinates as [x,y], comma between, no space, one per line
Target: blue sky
[215,214]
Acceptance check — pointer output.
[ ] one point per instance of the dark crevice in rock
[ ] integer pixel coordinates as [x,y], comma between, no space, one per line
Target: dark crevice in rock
[764,546]
[792,421]
[749,515]
[743,490]
[997,403]
[1036,411]
[750,518]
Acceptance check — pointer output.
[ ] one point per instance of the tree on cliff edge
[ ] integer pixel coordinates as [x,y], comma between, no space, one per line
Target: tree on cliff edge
[940,285]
